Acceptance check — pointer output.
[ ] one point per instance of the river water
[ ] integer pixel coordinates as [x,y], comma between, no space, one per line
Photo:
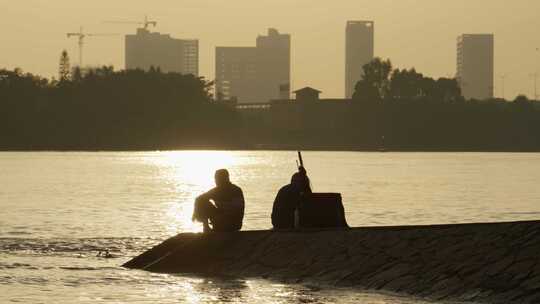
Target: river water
[58,210]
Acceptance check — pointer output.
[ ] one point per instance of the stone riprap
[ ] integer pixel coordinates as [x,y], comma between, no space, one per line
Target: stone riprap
[493,263]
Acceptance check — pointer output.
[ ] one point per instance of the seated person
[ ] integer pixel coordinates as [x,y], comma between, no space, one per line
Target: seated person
[288,199]
[227,210]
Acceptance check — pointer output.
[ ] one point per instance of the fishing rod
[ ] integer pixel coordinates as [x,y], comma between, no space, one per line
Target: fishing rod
[300,164]
[301,161]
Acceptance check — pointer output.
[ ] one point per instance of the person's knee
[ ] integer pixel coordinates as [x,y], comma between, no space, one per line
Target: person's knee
[200,210]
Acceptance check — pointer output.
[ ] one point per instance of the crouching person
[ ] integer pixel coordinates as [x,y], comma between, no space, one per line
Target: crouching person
[221,208]
[288,200]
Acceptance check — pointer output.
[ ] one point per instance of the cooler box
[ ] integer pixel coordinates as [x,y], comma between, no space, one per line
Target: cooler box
[321,210]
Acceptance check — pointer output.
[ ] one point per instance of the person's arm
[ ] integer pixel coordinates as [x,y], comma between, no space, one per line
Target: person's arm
[237,201]
[210,194]
[275,208]
[242,200]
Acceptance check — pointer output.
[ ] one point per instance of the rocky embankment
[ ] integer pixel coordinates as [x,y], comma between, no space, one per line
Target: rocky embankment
[493,263]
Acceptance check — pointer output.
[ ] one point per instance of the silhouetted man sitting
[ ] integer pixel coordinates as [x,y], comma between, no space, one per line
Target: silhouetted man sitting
[227,210]
[288,200]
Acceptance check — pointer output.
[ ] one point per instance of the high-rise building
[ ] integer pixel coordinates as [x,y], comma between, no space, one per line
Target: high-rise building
[147,49]
[359,50]
[255,74]
[273,65]
[475,65]
[236,73]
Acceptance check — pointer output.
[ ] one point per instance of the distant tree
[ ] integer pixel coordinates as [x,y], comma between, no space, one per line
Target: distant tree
[76,74]
[220,96]
[521,99]
[375,82]
[64,69]
[411,85]
[407,84]
[154,69]
[448,90]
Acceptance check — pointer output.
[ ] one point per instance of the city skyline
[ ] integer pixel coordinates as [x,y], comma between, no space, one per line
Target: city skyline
[422,37]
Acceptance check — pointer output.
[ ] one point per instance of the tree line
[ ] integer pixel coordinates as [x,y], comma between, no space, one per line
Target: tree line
[391,109]
[106,109]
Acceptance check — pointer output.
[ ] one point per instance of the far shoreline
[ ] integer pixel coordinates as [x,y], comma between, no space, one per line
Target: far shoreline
[273,148]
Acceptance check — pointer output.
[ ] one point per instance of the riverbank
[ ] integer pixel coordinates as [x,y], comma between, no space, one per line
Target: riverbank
[492,263]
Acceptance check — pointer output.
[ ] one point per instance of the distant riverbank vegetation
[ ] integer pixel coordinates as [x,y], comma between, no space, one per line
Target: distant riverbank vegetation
[392,109]
[412,111]
[106,109]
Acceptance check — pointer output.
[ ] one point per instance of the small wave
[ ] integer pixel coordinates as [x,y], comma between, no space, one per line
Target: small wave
[33,267]
[522,213]
[87,268]
[18,233]
[16,266]
[32,280]
[117,247]
[6,279]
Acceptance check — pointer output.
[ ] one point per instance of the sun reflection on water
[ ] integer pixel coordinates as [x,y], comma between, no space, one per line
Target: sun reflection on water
[197,167]
[189,173]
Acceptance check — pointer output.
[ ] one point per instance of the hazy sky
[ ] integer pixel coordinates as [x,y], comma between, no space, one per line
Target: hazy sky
[419,33]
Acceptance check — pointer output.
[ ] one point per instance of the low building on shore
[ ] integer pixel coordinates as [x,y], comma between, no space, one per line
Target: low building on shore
[307,111]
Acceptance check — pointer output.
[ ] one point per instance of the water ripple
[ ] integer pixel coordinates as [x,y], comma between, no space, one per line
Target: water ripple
[116,247]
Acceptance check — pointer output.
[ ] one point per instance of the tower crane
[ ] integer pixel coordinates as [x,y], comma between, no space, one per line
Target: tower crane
[81,35]
[145,23]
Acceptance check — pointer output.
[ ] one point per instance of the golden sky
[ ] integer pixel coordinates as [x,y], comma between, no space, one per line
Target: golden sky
[419,33]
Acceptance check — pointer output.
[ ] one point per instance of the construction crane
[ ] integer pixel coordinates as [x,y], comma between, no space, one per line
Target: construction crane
[144,23]
[81,35]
